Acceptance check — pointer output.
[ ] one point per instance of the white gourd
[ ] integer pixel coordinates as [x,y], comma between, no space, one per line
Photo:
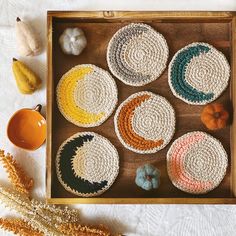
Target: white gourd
[73,41]
[27,39]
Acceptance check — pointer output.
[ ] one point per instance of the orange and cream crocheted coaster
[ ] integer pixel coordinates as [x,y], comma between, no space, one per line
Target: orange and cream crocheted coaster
[145,122]
[196,162]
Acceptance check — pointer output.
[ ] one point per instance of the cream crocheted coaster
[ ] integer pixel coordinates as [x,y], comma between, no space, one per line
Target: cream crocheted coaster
[198,73]
[145,122]
[86,95]
[137,54]
[196,162]
[87,164]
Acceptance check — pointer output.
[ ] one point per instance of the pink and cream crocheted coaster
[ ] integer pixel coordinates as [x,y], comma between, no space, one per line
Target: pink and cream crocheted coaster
[196,162]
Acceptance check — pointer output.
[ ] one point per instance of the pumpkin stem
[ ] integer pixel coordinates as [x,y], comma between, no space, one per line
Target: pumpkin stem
[149,177]
[18,19]
[217,115]
[14,59]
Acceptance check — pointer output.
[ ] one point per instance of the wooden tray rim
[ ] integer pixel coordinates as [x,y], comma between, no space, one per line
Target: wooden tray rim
[109,16]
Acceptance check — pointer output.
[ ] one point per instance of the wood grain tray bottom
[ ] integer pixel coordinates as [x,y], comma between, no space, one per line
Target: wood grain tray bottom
[188,116]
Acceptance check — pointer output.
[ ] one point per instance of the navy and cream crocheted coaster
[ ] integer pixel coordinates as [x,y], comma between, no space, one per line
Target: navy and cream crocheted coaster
[87,164]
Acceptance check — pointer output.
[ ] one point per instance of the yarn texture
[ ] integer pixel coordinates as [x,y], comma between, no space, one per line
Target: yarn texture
[28,42]
[145,122]
[196,162]
[198,73]
[73,41]
[26,80]
[86,95]
[87,164]
[137,54]
[147,177]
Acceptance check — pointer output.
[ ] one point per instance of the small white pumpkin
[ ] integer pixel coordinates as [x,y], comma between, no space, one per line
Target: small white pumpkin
[27,39]
[73,41]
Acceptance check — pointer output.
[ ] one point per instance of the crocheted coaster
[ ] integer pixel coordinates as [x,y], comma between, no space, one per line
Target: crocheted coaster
[198,73]
[137,54]
[145,122]
[86,95]
[196,162]
[87,164]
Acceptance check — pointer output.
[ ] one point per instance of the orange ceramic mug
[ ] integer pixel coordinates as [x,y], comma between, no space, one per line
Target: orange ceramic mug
[27,128]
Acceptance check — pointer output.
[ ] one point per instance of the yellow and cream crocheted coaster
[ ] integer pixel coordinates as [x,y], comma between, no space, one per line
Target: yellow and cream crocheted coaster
[137,54]
[86,95]
[145,122]
[196,162]
[87,164]
[198,73]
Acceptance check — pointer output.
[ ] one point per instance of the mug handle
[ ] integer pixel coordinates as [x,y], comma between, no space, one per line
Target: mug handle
[38,108]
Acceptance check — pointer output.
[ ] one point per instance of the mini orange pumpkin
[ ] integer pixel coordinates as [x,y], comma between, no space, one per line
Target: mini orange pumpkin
[214,116]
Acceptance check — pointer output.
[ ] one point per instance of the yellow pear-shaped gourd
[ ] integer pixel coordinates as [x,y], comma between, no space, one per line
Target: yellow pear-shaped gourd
[26,80]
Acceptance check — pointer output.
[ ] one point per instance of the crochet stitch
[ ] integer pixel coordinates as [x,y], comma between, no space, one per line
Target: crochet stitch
[137,54]
[196,162]
[87,164]
[145,122]
[86,95]
[198,73]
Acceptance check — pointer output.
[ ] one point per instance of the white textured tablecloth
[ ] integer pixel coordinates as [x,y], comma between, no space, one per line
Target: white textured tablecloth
[145,220]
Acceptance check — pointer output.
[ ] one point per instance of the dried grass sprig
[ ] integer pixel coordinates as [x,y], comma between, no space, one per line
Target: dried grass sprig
[46,218]
[19,227]
[16,175]
[83,230]
[38,218]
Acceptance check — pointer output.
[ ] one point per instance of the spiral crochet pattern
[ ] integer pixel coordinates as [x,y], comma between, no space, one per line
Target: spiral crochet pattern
[145,122]
[86,95]
[137,54]
[198,73]
[196,162]
[87,164]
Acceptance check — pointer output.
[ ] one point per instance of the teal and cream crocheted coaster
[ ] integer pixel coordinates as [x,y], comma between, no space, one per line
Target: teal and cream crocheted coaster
[137,54]
[198,73]
[87,164]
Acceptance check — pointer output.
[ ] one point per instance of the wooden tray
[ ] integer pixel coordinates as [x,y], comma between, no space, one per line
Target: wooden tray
[179,29]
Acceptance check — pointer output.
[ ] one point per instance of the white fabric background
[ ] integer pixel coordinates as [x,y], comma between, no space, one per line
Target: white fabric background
[145,220]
